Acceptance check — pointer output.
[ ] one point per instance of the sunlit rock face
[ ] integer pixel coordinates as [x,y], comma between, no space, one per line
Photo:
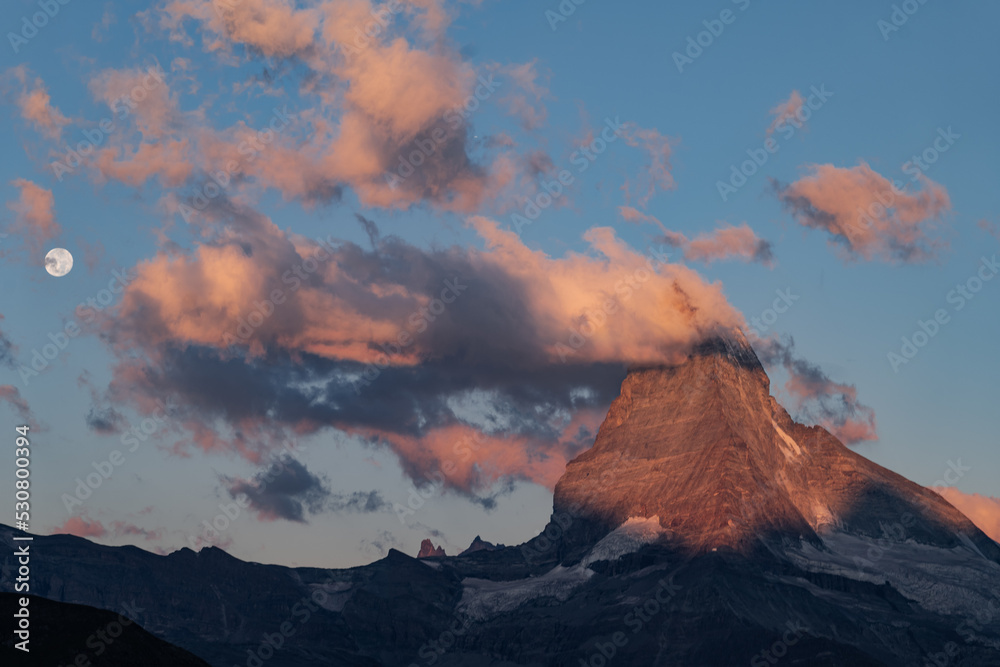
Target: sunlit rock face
[428,550]
[706,448]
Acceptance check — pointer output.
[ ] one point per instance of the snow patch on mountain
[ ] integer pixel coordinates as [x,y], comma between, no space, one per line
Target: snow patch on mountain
[482,598]
[793,450]
[823,519]
[628,538]
[336,594]
[949,581]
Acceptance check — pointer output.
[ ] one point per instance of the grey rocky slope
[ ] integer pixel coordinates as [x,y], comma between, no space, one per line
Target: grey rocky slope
[705,527]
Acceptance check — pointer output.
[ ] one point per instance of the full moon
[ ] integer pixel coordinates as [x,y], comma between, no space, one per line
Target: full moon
[58,262]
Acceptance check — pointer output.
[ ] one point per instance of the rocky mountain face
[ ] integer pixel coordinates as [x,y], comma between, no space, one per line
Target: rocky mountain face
[479,544]
[428,550]
[707,449]
[704,527]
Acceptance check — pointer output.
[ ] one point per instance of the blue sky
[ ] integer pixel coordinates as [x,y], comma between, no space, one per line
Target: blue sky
[890,97]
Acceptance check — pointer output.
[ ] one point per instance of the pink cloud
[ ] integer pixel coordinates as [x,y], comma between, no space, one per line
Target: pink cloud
[633,215]
[352,309]
[142,96]
[392,119]
[471,460]
[990,228]
[273,28]
[785,111]
[12,396]
[81,528]
[726,242]
[656,174]
[984,511]
[196,299]
[820,400]
[35,104]
[126,529]
[84,527]
[34,213]
[525,93]
[866,215]
[672,310]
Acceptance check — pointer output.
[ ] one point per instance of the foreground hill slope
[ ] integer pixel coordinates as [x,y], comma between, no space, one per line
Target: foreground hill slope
[71,634]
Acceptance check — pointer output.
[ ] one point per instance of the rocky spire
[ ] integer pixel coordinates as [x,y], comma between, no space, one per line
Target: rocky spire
[703,446]
[428,550]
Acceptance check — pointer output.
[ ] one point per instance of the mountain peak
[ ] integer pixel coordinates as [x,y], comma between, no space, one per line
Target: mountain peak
[704,446]
[428,550]
[479,544]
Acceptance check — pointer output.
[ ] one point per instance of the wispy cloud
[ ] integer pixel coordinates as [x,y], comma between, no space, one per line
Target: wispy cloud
[725,242]
[34,214]
[785,111]
[867,216]
[657,174]
[34,103]
[833,405]
[982,510]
